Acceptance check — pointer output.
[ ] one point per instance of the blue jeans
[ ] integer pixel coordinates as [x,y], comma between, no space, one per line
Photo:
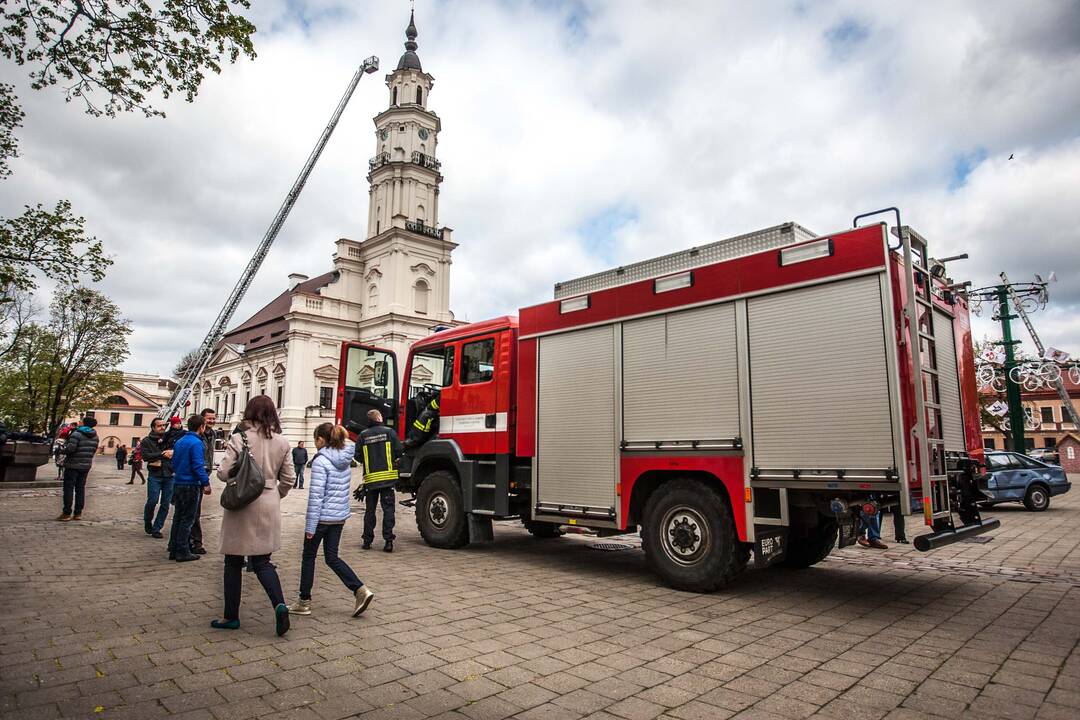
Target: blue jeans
[330,537]
[157,489]
[188,498]
[872,525]
[299,476]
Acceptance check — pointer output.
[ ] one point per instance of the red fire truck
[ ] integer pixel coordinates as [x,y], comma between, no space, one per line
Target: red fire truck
[753,396]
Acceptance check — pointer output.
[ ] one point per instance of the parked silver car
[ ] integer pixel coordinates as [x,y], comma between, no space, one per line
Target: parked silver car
[1013,477]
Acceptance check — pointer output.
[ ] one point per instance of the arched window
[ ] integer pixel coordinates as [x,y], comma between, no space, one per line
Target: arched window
[373,298]
[393,96]
[116,400]
[420,296]
[421,214]
[419,95]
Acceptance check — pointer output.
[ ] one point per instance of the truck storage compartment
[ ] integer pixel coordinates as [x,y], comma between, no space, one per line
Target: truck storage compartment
[680,379]
[952,419]
[576,469]
[820,383]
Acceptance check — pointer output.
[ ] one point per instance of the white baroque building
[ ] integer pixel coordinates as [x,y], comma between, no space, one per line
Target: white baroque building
[390,289]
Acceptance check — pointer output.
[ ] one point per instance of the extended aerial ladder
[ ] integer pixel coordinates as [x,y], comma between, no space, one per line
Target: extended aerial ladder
[217,331]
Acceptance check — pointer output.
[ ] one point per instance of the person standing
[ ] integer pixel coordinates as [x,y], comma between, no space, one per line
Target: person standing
[381,447]
[159,489]
[299,460]
[254,531]
[136,466]
[121,457]
[209,416]
[79,450]
[190,483]
[327,511]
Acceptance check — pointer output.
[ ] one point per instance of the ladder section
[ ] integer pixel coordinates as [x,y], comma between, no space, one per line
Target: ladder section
[929,445]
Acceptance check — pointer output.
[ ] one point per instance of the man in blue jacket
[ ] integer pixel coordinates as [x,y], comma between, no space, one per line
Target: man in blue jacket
[190,483]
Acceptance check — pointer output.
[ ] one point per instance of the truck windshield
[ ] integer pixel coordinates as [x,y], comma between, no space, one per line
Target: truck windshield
[369,369]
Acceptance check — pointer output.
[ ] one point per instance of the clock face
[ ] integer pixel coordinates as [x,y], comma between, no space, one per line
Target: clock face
[423,134]
[384,133]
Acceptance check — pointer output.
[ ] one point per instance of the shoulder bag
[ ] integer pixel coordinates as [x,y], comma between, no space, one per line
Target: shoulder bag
[245,481]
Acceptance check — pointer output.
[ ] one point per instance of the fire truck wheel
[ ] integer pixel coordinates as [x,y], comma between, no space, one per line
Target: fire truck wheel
[811,547]
[440,513]
[543,530]
[689,537]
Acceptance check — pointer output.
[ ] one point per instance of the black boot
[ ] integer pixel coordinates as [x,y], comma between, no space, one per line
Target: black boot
[389,546]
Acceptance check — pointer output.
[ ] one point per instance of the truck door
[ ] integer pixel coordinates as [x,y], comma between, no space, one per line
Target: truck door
[470,414]
[368,380]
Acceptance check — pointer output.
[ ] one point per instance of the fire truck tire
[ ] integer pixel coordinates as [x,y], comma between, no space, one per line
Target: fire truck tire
[813,547]
[689,537]
[440,512]
[543,530]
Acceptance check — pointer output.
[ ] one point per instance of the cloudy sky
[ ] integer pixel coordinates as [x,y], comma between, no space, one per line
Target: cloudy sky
[581,135]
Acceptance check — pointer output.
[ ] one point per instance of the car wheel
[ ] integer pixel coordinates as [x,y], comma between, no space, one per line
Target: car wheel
[1037,498]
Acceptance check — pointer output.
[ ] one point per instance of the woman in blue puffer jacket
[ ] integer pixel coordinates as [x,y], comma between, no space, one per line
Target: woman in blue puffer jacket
[327,511]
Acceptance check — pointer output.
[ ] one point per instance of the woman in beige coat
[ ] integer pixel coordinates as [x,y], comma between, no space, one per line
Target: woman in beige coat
[255,531]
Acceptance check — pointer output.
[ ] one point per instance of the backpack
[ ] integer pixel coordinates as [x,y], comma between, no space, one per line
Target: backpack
[245,482]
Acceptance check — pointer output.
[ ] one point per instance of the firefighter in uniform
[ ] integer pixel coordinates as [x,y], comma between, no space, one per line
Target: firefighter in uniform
[380,449]
[424,425]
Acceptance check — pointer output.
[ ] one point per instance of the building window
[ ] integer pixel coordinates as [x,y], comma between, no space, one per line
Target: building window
[137,422]
[419,95]
[135,441]
[373,298]
[1029,444]
[1049,442]
[90,413]
[1047,414]
[1065,415]
[988,443]
[230,404]
[247,397]
[477,361]
[393,96]
[262,390]
[326,398]
[280,394]
[420,296]
[114,418]
[1070,452]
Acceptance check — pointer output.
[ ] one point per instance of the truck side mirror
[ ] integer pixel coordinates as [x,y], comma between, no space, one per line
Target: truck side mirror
[381,374]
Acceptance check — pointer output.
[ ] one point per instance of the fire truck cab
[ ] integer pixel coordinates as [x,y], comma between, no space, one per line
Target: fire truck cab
[751,397]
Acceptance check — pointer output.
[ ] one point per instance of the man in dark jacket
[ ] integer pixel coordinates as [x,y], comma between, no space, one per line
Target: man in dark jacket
[191,482]
[79,450]
[299,460]
[380,448]
[209,416]
[426,423]
[159,487]
[121,457]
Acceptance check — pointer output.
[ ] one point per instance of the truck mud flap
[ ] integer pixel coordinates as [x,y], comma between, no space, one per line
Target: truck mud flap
[770,544]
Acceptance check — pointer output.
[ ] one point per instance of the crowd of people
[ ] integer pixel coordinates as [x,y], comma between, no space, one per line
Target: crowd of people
[179,458]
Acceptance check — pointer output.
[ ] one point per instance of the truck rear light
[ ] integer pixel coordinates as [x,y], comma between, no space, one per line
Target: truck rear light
[574,304]
[869,509]
[673,282]
[749,495]
[807,251]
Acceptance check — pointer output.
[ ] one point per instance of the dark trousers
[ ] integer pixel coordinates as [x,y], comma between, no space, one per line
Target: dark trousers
[299,476]
[898,523]
[119,464]
[330,537]
[196,528]
[136,469]
[385,497]
[74,484]
[187,499]
[234,580]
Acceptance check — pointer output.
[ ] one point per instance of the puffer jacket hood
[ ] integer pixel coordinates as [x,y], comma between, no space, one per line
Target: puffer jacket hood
[328,488]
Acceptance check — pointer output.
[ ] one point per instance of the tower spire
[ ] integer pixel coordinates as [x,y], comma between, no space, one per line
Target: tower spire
[410,60]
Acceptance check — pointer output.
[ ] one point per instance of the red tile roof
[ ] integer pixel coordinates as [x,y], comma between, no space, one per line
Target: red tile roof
[268,325]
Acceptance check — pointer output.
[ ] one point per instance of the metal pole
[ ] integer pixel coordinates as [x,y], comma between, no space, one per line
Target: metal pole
[1012,388]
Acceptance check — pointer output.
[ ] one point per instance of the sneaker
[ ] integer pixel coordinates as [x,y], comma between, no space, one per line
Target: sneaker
[389,546]
[863,541]
[878,544]
[281,619]
[300,607]
[64,517]
[363,599]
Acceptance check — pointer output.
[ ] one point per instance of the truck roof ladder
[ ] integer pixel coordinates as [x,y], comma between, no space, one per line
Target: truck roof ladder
[929,445]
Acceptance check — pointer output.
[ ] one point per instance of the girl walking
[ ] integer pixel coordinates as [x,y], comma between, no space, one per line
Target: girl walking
[255,530]
[327,511]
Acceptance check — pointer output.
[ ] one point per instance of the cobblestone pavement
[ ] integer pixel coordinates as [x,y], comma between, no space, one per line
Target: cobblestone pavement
[97,624]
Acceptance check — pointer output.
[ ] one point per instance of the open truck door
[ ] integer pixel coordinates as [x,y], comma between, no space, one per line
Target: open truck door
[368,381]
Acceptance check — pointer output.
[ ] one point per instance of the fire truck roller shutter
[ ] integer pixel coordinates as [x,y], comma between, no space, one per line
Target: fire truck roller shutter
[952,419]
[576,419]
[680,376]
[819,382]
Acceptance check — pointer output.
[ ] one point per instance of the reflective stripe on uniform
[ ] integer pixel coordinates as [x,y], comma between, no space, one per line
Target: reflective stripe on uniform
[380,476]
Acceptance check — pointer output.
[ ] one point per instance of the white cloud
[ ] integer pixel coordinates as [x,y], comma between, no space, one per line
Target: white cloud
[681,123]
